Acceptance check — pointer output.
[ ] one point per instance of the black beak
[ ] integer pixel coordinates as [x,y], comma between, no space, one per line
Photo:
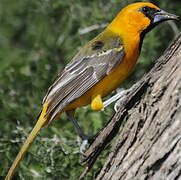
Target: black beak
[161,16]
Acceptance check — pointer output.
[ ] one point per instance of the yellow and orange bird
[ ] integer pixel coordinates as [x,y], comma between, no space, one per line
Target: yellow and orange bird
[98,68]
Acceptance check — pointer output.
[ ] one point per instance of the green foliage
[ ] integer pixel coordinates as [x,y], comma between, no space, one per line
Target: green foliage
[37,39]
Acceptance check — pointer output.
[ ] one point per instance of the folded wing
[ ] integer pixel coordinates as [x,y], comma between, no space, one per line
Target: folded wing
[80,75]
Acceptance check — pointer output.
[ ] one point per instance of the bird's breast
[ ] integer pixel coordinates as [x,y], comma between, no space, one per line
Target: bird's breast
[112,80]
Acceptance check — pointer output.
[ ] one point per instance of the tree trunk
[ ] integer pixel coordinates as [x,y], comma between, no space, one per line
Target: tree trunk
[149,146]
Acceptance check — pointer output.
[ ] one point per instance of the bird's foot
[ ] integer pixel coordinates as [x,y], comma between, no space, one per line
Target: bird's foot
[120,102]
[86,140]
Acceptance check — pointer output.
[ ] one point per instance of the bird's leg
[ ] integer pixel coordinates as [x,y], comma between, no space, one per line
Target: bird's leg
[117,97]
[120,97]
[85,138]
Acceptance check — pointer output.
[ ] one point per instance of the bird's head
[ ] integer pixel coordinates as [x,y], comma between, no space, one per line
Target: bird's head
[139,17]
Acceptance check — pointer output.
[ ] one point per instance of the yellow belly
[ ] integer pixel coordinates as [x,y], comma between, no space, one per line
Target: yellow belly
[108,83]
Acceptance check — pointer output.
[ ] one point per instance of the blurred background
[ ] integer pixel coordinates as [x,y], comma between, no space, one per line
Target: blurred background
[37,39]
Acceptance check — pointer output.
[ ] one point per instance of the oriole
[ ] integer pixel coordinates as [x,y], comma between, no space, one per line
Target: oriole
[98,68]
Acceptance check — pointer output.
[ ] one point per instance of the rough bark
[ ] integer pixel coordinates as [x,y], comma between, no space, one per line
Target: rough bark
[149,146]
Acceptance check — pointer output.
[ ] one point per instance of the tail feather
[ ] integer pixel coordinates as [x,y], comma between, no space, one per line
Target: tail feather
[41,121]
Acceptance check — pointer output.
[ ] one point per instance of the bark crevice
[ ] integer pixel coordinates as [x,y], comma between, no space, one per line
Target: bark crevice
[149,146]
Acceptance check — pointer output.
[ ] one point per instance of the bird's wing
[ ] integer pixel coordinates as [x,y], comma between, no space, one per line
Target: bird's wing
[90,65]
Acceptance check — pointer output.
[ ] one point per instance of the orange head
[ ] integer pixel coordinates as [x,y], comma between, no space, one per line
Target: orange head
[139,17]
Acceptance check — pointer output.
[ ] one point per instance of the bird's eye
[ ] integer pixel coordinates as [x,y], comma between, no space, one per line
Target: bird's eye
[146,10]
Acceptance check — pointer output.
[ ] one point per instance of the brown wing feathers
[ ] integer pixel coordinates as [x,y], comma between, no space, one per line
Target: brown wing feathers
[79,76]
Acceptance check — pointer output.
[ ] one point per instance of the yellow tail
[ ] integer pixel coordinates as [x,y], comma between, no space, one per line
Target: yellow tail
[41,121]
